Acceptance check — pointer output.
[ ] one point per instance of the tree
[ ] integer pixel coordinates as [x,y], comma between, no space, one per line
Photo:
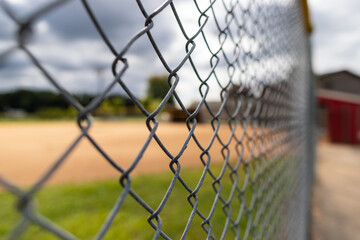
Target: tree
[158,87]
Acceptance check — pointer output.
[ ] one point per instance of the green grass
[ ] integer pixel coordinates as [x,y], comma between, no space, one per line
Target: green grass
[82,208]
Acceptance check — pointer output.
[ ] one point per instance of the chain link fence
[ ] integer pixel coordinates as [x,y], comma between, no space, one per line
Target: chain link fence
[249,61]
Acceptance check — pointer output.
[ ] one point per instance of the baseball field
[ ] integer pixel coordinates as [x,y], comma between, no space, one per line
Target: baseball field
[80,192]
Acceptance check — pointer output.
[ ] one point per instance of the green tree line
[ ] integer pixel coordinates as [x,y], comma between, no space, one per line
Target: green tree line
[51,104]
[48,104]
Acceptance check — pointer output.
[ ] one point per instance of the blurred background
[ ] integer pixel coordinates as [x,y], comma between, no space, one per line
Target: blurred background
[336,56]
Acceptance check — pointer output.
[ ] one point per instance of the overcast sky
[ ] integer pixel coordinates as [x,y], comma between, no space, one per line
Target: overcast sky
[67,44]
[336,36]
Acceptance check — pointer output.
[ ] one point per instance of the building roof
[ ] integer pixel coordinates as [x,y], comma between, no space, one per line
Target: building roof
[324,76]
[342,81]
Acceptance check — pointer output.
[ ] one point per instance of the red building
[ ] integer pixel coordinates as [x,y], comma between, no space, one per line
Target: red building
[339,104]
[343,115]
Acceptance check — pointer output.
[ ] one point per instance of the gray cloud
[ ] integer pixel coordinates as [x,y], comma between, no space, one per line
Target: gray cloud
[336,37]
[67,44]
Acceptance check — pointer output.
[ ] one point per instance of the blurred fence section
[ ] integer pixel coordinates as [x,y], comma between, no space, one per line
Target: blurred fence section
[241,67]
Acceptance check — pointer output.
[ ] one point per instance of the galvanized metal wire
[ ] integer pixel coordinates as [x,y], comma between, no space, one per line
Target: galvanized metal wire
[264,102]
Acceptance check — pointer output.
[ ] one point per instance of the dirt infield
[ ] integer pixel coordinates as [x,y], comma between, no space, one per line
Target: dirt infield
[28,149]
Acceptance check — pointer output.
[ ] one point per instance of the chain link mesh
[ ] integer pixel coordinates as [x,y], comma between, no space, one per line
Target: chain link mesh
[259,69]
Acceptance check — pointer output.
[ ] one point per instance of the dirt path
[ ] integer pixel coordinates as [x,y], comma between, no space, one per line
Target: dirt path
[336,202]
[27,150]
